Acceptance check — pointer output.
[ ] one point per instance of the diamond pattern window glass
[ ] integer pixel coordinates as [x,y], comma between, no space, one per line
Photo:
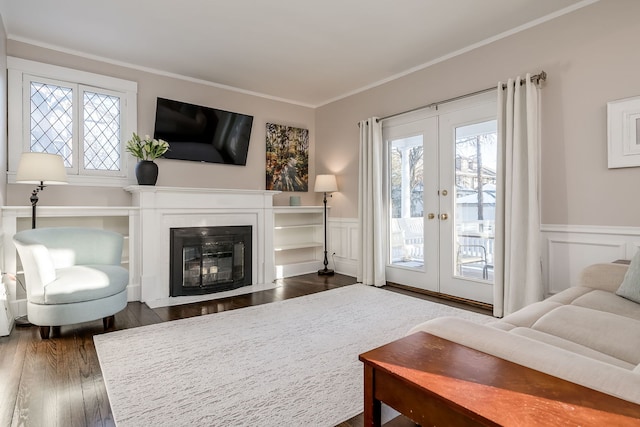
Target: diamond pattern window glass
[101,131]
[83,117]
[51,127]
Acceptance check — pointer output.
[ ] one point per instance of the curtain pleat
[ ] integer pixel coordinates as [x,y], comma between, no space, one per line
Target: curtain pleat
[371,262]
[518,272]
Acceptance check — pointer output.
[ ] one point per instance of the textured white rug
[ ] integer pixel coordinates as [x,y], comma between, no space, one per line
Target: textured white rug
[287,363]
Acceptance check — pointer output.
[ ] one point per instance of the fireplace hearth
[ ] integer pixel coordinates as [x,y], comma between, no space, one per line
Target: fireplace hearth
[209,259]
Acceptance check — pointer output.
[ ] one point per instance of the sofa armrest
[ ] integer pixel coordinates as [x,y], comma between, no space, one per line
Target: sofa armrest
[606,276]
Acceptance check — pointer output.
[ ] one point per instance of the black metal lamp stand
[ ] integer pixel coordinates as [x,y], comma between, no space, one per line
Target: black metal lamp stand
[325,271]
[34,202]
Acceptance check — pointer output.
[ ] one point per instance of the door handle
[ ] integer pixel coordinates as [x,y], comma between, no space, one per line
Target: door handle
[431,216]
[444,217]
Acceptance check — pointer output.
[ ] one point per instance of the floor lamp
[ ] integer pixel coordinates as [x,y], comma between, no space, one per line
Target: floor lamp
[325,184]
[41,169]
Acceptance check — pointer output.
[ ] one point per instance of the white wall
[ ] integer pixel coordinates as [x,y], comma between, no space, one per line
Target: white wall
[3,110]
[590,59]
[175,173]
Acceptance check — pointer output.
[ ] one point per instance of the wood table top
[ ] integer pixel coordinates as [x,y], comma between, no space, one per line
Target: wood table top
[494,391]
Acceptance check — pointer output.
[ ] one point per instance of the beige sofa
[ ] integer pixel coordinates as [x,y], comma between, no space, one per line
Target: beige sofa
[585,334]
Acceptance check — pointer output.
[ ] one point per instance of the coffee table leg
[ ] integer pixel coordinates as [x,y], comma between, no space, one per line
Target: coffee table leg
[372,414]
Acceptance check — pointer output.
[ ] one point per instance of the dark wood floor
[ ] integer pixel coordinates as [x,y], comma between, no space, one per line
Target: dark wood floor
[58,382]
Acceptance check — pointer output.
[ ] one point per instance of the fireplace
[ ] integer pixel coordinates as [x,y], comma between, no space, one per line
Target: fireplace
[209,259]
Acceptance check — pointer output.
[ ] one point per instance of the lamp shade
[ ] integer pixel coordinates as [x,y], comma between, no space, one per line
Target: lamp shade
[325,184]
[41,168]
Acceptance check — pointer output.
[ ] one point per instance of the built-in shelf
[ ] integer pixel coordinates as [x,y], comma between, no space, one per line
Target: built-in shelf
[288,227]
[298,239]
[301,245]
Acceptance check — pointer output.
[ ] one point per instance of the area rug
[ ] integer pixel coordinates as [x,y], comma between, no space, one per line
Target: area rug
[287,363]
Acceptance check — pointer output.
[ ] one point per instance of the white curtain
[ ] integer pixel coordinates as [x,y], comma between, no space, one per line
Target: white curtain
[372,235]
[518,277]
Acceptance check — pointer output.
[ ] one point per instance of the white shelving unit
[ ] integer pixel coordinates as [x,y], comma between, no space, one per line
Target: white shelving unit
[298,239]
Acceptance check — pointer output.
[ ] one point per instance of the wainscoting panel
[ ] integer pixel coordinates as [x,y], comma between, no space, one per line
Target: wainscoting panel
[567,249]
[343,241]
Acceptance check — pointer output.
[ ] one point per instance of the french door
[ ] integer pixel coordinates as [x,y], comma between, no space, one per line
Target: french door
[440,192]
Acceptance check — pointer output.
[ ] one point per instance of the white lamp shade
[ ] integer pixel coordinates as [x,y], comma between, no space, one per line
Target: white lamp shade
[45,168]
[325,184]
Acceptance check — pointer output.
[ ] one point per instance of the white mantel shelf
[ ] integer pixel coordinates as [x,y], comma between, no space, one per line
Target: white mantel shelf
[198,190]
[163,208]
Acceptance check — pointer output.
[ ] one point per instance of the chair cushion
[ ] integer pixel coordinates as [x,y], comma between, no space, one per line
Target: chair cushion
[83,283]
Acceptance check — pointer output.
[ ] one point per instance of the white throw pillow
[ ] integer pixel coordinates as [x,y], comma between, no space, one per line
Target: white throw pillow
[630,286]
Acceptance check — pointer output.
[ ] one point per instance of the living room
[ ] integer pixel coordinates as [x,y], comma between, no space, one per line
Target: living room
[587,215]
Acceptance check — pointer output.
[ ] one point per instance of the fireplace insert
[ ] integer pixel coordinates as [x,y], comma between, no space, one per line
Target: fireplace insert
[209,259]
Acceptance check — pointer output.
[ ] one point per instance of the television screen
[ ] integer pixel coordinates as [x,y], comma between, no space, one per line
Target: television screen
[202,134]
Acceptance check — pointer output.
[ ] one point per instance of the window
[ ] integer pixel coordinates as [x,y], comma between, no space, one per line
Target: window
[86,118]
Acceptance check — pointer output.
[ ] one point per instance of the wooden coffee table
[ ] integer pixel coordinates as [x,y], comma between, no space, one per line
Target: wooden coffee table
[436,382]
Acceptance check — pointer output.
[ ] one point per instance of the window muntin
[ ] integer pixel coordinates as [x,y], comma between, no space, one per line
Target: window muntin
[102,131]
[82,116]
[80,123]
[51,120]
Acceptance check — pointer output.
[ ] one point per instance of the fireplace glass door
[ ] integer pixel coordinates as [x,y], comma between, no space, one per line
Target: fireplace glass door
[209,259]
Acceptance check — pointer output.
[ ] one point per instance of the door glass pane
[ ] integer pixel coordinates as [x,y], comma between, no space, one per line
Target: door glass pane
[475,175]
[406,188]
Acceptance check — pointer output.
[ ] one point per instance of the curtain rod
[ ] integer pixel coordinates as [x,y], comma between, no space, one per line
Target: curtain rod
[536,78]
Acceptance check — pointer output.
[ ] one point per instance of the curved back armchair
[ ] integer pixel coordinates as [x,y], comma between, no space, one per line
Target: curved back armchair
[72,275]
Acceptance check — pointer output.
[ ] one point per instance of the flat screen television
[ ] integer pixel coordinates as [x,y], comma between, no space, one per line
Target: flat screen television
[202,134]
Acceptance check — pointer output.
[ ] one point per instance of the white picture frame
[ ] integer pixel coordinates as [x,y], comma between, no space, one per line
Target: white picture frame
[623,133]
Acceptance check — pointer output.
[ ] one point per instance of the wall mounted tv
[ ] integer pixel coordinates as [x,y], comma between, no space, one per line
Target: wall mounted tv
[202,134]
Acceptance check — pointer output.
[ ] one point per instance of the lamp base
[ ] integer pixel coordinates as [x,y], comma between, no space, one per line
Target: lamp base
[325,272]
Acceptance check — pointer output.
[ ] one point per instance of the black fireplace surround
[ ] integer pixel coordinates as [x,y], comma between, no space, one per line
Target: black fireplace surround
[209,259]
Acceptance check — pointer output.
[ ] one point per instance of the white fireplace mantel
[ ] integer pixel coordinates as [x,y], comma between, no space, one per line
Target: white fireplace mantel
[163,208]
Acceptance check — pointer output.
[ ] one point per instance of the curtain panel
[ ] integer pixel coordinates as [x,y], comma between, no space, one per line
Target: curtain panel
[372,231]
[518,270]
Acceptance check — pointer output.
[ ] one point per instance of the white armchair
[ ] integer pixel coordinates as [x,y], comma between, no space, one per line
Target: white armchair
[72,275]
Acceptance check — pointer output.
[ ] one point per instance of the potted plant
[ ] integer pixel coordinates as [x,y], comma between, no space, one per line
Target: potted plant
[146,151]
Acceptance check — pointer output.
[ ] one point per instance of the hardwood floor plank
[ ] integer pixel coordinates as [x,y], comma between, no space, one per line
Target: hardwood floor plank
[94,395]
[29,408]
[58,382]
[70,391]
[10,362]
[12,351]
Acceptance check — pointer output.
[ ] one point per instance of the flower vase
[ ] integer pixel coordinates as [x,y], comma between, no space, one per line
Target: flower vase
[146,172]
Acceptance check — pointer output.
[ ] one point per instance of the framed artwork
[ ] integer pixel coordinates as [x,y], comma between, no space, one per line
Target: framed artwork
[623,132]
[287,158]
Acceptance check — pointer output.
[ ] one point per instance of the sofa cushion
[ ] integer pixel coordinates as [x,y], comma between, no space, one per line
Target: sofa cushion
[528,315]
[604,332]
[83,283]
[569,295]
[611,303]
[630,286]
[571,346]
